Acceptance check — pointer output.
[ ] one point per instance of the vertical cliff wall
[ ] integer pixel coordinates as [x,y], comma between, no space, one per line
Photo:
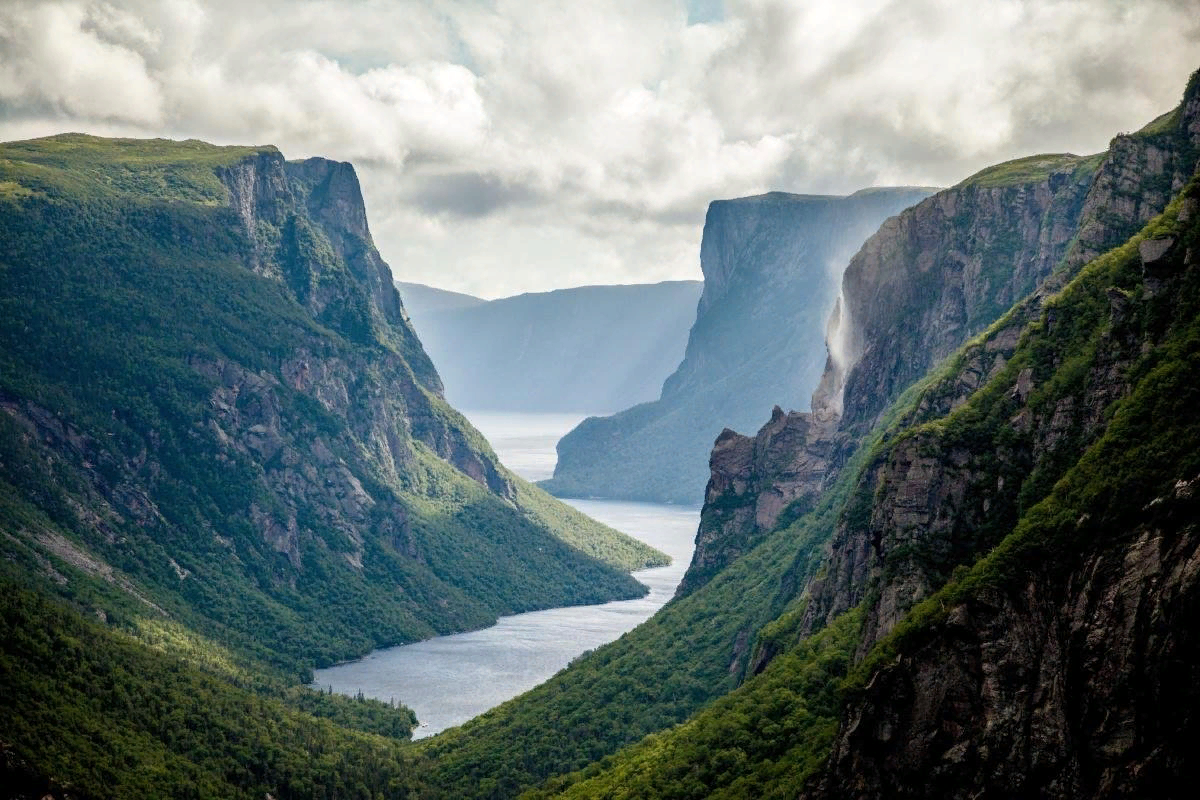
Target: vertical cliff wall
[1052,666]
[922,284]
[771,266]
[212,400]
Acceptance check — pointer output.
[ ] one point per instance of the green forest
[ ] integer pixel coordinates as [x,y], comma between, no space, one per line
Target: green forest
[225,462]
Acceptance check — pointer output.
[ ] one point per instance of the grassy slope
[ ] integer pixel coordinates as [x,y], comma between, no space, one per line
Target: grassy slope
[768,736]
[120,265]
[1030,169]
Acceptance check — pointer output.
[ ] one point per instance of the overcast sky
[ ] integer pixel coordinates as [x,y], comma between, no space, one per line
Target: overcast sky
[516,146]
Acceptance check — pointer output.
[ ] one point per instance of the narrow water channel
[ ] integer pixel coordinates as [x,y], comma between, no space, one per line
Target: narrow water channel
[450,679]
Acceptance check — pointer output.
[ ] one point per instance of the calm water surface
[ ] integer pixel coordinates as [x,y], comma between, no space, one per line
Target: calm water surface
[450,679]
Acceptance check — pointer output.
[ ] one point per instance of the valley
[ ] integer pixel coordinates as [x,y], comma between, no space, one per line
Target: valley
[903,501]
[448,680]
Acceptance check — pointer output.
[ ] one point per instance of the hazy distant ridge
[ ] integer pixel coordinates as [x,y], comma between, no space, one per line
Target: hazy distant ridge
[589,348]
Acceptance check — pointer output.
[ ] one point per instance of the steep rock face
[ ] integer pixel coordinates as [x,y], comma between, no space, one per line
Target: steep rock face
[754,480]
[1055,669]
[267,192]
[932,278]
[939,273]
[771,265]
[1140,175]
[1077,686]
[928,279]
[213,401]
[940,499]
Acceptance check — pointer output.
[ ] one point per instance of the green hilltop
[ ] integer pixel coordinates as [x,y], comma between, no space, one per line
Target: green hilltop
[215,415]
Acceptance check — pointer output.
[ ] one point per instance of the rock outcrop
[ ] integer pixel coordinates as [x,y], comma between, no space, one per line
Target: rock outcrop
[213,395]
[1071,685]
[933,277]
[771,266]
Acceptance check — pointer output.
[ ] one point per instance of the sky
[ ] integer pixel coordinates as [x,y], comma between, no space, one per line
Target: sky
[506,147]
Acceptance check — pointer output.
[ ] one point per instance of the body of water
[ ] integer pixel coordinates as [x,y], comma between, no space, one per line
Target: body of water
[450,679]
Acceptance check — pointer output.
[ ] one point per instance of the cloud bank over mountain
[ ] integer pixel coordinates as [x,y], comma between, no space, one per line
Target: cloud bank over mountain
[514,146]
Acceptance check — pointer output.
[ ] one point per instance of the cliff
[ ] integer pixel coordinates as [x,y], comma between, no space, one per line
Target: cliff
[925,283]
[585,349]
[1049,666]
[920,286]
[992,598]
[217,412]
[771,265]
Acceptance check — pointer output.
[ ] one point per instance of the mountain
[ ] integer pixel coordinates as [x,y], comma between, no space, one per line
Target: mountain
[590,348]
[421,301]
[982,584]
[771,265]
[215,409]
[979,582]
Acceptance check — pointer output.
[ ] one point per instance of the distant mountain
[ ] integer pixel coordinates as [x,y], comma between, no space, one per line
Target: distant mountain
[422,301]
[771,268]
[973,570]
[590,348]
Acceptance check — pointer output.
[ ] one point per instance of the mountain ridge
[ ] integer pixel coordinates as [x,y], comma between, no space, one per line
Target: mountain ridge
[582,349]
[211,388]
[771,264]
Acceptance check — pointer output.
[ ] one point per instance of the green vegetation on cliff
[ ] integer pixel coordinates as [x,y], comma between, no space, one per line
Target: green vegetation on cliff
[1084,491]
[164,415]
[1031,169]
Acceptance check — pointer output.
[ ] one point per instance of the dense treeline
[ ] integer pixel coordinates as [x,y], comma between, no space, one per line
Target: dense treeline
[101,714]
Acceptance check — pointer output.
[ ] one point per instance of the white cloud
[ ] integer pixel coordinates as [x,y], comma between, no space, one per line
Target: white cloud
[78,61]
[516,145]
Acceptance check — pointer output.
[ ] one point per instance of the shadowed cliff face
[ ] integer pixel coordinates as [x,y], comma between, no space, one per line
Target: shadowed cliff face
[771,265]
[927,281]
[1080,685]
[932,278]
[1063,663]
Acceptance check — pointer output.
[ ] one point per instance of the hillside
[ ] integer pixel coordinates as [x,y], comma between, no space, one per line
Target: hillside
[771,267]
[215,408]
[585,349]
[921,598]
